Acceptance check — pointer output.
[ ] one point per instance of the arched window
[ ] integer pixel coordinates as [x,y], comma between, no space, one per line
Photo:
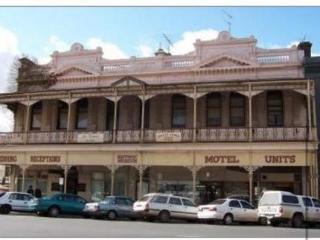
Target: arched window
[275,108]
[214,110]
[237,109]
[62,120]
[82,114]
[178,117]
[110,115]
[36,116]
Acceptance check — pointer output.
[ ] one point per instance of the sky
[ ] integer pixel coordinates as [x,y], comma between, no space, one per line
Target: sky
[138,31]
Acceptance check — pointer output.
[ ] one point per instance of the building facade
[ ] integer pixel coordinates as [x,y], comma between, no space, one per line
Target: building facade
[227,118]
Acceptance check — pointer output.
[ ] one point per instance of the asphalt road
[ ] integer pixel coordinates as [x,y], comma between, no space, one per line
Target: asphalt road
[26,225]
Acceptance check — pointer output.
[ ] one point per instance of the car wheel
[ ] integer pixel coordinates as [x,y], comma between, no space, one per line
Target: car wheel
[228,219]
[297,221]
[112,215]
[164,216]
[54,212]
[5,209]
[263,221]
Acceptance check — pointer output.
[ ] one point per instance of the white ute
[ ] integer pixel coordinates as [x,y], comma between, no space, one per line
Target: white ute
[228,211]
[276,207]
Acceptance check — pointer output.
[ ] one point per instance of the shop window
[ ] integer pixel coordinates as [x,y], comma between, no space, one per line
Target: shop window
[275,109]
[214,108]
[82,114]
[237,110]
[98,186]
[62,121]
[179,111]
[36,116]
[110,115]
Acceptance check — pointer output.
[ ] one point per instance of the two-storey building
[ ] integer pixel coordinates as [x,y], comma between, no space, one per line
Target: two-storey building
[227,118]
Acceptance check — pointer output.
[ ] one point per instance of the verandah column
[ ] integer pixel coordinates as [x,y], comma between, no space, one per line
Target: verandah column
[250,113]
[115,114]
[23,168]
[143,101]
[195,114]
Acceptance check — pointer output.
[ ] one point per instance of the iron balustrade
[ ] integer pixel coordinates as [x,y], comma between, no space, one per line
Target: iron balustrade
[158,135]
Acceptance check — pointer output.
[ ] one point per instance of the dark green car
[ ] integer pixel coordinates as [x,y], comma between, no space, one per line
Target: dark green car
[60,204]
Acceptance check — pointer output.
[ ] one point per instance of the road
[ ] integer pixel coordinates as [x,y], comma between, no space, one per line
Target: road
[26,225]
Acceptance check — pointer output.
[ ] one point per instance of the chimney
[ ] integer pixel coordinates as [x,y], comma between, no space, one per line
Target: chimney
[306,47]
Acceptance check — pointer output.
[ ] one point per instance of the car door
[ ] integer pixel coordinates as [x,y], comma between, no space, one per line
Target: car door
[235,209]
[25,201]
[308,209]
[189,208]
[316,210]
[176,207]
[129,208]
[79,204]
[249,213]
[121,207]
[14,201]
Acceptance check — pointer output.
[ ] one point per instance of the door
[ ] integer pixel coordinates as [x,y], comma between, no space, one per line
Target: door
[176,208]
[189,208]
[316,210]
[308,209]
[236,210]
[16,201]
[249,213]
[122,207]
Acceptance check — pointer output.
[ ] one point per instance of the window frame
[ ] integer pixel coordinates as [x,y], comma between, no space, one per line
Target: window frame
[62,108]
[214,95]
[174,108]
[79,111]
[233,107]
[36,109]
[276,95]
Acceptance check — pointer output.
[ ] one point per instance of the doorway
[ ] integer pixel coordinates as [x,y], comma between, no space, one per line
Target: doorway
[72,180]
[209,191]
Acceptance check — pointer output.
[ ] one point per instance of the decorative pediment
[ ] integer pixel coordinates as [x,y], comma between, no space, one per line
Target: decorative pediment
[128,81]
[75,71]
[225,62]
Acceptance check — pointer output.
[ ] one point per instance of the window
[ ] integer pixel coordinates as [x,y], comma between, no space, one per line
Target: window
[214,110]
[80,200]
[121,201]
[110,115]
[316,202]
[187,202]
[146,114]
[235,204]
[36,115]
[275,109]
[178,111]
[2,193]
[160,199]
[307,202]
[218,202]
[144,198]
[175,201]
[246,205]
[82,114]
[62,115]
[13,196]
[290,199]
[237,109]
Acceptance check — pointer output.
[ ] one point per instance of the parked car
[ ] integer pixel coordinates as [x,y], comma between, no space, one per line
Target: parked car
[228,210]
[239,197]
[311,209]
[16,201]
[279,207]
[60,204]
[112,207]
[165,207]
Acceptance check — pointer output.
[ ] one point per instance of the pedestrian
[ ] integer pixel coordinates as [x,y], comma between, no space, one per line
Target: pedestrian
[30,190]
[37,193]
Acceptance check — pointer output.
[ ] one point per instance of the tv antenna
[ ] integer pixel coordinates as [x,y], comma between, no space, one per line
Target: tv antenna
[229,19]
[168,40]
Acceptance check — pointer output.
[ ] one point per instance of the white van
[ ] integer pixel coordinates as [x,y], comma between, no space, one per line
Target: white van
[280,207]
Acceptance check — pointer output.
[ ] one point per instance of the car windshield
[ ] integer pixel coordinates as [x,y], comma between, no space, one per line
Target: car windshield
[1,194]
[269,199]
[218,202]
[145,198]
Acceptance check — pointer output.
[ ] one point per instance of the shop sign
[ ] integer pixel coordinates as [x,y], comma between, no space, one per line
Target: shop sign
[168,136]
[127,159]
[90,137]
[279,159]
[45,159]
[221,159]
[7,159]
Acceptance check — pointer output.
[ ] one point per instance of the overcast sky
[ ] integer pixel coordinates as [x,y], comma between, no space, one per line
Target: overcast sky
[137,31]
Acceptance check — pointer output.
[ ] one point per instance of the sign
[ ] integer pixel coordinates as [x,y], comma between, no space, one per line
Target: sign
[221,159]
[7,159]
[127,159]
[168,136]
[90,137]
[279,159]
[61,180]
[45,159]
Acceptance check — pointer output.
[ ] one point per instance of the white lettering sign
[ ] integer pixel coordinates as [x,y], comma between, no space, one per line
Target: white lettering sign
[168,137]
